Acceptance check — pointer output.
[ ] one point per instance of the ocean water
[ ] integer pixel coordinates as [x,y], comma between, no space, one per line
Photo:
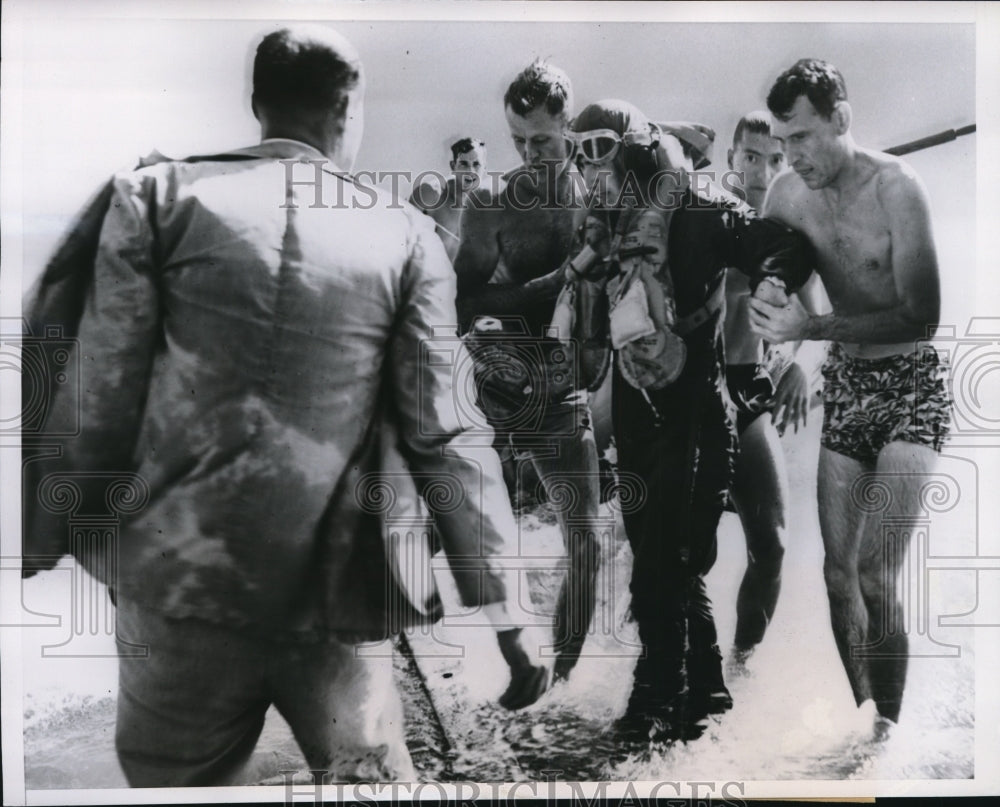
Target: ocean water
[793,719]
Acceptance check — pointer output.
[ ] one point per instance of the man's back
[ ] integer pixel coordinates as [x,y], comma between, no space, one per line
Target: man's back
[260,327]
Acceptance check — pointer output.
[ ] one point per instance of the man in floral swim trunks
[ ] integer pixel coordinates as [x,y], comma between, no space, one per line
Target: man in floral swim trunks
[870,403]
[886,405]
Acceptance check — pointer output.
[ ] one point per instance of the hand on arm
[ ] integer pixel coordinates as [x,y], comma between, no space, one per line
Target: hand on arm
[476,261]
[791,397]
[914,271]
[769,248]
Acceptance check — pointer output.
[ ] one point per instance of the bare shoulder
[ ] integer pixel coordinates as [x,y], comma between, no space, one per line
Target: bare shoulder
[897,184]
[483,207]
[788,199]
[428,193]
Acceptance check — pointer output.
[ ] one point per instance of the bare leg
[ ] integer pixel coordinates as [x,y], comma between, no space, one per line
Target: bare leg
[841,523]
[904,468]
[760,492]
[571,481]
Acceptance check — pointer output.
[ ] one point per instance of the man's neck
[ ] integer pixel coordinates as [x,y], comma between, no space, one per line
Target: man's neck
[301,136]
[850,175]
[557,189]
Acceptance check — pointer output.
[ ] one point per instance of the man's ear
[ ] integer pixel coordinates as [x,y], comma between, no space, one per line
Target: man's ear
[451,164]
[842,117]
[729,159]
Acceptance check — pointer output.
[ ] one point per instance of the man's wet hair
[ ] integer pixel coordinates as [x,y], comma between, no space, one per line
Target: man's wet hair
[303,69]
[816,79]
[464,145]
[540,84]
[756,122]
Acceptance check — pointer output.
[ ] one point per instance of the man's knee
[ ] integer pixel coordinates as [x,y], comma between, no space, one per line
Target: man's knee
[766,557]
[877,589]
[572,486]
[764,526]
[840,575]
[584,546]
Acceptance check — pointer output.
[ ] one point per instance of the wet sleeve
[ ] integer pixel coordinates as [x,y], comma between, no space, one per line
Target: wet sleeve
[118,334]
[763,247]
[444,436]
[93,422]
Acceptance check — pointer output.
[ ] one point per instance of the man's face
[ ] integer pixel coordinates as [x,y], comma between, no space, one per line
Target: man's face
[603,182]
[539,139]
[814,146]
[758,158]
[469,168]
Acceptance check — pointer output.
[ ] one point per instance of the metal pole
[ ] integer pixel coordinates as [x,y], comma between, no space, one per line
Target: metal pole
[933,140]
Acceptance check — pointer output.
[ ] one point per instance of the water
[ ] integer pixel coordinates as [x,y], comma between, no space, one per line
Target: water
[793,718]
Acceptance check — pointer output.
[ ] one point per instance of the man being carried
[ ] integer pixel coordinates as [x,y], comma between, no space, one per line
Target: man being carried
[445,205]
[509,268]
[886,406]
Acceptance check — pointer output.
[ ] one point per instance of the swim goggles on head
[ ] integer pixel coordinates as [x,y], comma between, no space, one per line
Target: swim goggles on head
[600,146]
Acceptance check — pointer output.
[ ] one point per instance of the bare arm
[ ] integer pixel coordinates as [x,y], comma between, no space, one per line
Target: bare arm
[427,195]
[914,270]
[476,261]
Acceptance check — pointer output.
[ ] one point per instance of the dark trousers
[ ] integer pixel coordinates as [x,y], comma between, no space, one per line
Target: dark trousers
[683,452]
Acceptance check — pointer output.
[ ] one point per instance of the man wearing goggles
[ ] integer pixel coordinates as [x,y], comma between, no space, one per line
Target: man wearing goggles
[509,269]
[601,146]
[669,413]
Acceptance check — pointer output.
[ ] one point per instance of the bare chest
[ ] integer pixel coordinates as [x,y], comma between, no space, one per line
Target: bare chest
[854,250]
[534,242]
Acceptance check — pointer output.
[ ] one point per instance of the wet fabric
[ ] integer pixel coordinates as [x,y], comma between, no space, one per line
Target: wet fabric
[869,403]
[681,442]
[190,712]
[240,362]
[750,389]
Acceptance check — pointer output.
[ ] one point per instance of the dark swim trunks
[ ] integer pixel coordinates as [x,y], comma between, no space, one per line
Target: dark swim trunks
[751,390]
[869,403]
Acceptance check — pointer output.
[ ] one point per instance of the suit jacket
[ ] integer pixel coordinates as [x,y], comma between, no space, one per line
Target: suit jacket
[267,349]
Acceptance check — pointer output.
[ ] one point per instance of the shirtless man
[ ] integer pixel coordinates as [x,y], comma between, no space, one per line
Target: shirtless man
[445,204]
[886,406]
[760,486]
[510,267]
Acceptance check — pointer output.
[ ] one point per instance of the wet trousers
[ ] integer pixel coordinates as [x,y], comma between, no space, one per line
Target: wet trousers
[190,713]
[683,452]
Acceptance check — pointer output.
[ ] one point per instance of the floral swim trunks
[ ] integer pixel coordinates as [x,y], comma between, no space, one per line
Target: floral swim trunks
[869,403]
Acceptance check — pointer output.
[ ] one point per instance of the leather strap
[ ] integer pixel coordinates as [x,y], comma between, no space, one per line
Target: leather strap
[701,315]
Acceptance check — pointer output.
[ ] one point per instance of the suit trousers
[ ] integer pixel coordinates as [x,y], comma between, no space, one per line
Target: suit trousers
[190,713]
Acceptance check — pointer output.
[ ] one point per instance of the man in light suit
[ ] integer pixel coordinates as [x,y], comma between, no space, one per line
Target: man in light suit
[246,354]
